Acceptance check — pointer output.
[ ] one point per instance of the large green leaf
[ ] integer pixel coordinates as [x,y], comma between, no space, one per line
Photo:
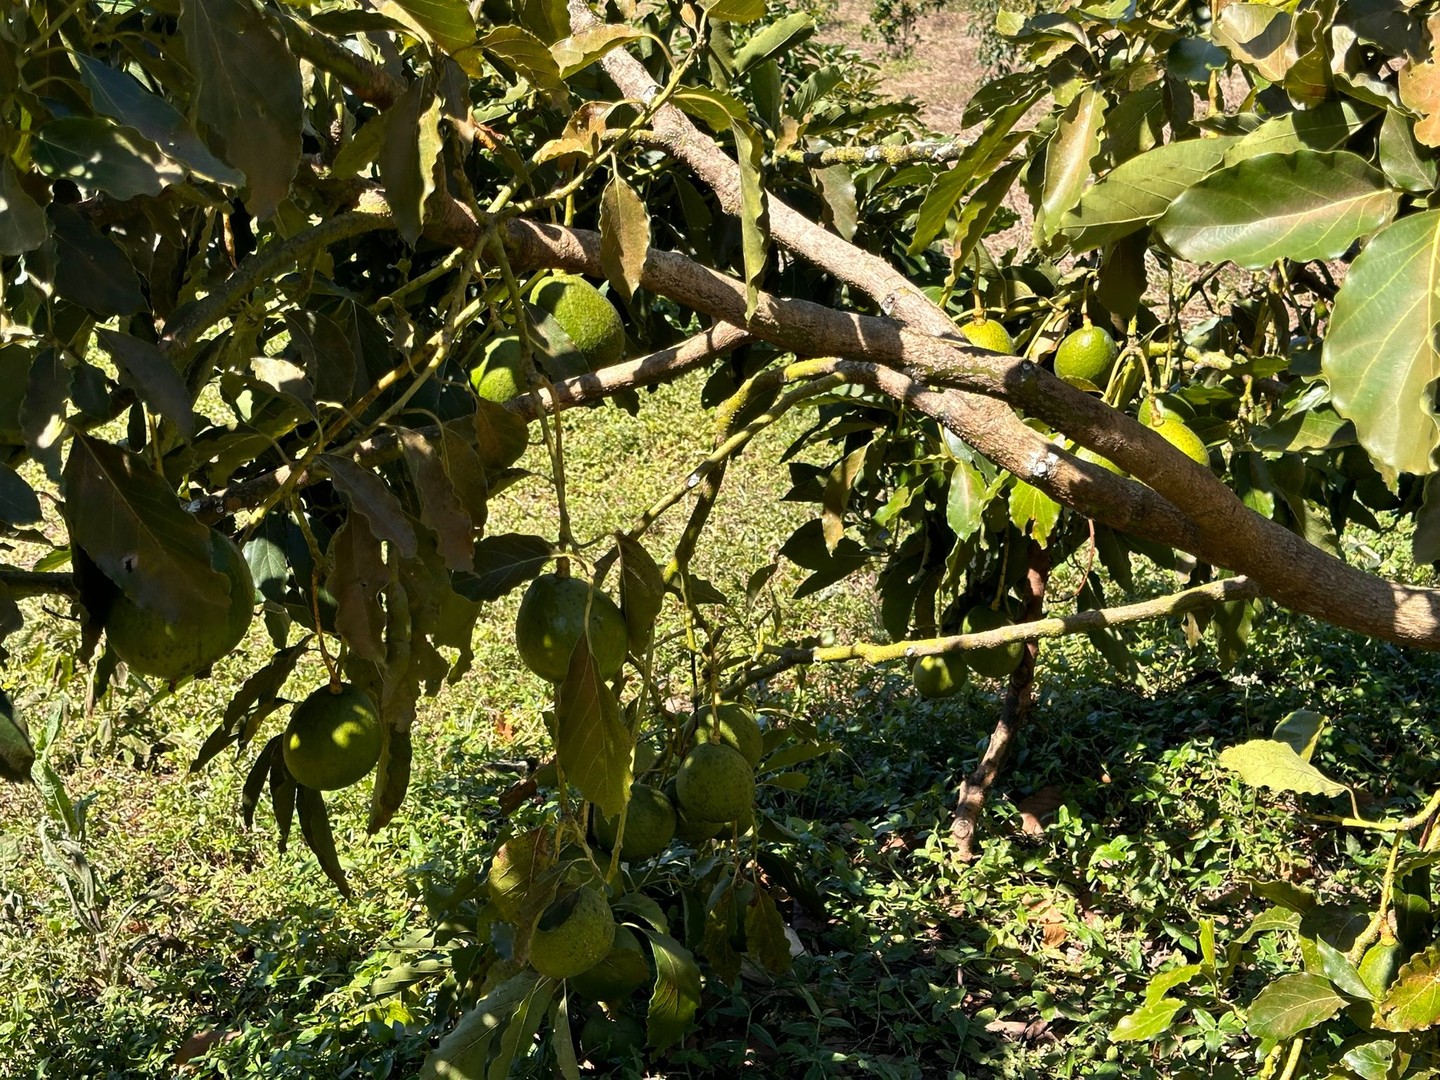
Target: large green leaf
[1292,1004]
[1327,128]
[128,521]
[1068,155]
[101,156]
[1275,764]
[248,92]
[1301,206]
[1413,1000]
[1148,1021]
[1138,191]
[463,1053]
[447,23]
[119,95]
[1380,356]
[592,744]
[677,990]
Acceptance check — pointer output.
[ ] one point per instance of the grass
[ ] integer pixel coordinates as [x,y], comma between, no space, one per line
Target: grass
[171,920]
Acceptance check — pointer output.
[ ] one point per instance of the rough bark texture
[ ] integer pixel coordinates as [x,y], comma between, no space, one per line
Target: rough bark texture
[1019,699]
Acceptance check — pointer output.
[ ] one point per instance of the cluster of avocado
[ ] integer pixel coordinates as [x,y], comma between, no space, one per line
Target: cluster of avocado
[588,319]
[942,675]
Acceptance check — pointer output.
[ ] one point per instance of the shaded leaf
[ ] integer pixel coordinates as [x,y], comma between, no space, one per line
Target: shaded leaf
[1276,765]
[463,1053]
[17,754]
[677,991]
[328,354]
[500,435]
[1300,206]
[408,154]
[592,743]
[440,507]
[22,223]
[624,236]
[1301,730]
[248,91]
[642,590]
[1369,1058]
[120,96]
[356,579]
[126,517]
[100,156]
[765,934]
[370,496]
[754,209]
[965,501]
[515,49]
[836,497]
[143,366]
[19,505]
[91,270]
[501,563]
[315,828]
[260,771]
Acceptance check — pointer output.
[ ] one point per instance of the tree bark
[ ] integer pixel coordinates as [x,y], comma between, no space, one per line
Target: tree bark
[1014,713]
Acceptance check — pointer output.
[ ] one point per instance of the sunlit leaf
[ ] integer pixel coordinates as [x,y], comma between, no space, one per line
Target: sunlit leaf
[1300,206]
[1292,1004]
[1380,355]
[1275,765]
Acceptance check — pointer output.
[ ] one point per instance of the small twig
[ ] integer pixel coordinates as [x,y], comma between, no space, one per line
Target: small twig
[936,150]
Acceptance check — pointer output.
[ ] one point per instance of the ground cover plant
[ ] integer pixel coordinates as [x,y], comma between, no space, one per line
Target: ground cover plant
[301,308]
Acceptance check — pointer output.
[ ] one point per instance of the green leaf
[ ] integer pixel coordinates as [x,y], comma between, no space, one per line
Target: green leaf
[22,223]
[717,109]
[1327,128]
[736,11]
[677,991]
[1380,356]
[369,495]
[1257,36]
[642,591]
[1300,206]
[1337,968]
[574,54]
[1029,506]
[19,505]
[120,96]
[127,519]
[1368,1057]
[445,22]
[624,236]
[1276,765]
[101,156]
[754,210]
[408,157]
[592,744]
[980,210]
[315,828]
[1301,729]
[1412,1002]
[765,934]
[1292,1004]
[1068,154]
[1148,1021]
[248,93]
[463,1053]
[965,500]
[147,369]
[503,562]
[1135,193]
[776,39]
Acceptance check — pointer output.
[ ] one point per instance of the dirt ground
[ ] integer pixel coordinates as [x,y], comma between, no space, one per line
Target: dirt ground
[941,73]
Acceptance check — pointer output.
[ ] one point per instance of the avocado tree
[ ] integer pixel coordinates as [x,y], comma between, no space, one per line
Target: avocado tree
[286,289]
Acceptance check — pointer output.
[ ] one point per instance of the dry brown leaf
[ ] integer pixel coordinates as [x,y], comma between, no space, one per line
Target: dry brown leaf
[1036,807]
[1420,89]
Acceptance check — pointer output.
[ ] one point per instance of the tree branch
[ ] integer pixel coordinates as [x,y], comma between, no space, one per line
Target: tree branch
[657,367]
[935,150]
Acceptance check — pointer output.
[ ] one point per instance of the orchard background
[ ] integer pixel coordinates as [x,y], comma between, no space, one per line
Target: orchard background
[1092,693]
